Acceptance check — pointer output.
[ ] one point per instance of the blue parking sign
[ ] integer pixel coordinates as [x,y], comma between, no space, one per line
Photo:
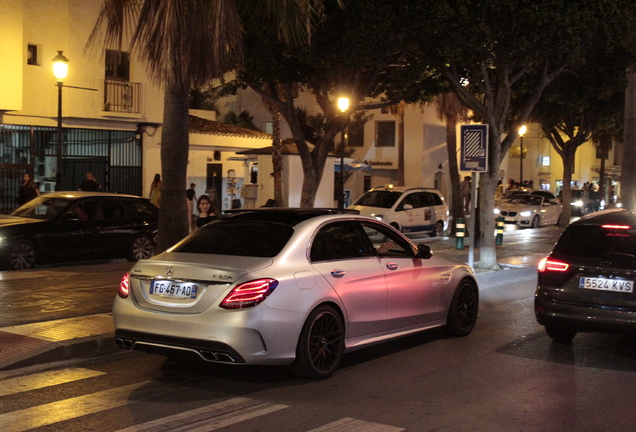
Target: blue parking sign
[474,148]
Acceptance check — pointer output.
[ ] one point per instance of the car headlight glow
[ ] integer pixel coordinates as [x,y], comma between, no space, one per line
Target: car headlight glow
[525,213]
[578,203]
[496,211]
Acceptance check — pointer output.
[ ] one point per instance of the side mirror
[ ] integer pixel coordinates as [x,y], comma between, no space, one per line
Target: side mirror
[424,251]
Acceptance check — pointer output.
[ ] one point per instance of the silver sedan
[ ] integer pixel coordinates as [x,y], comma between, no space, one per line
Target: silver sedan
[293,287]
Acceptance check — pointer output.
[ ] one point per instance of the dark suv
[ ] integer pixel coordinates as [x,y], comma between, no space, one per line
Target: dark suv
[587,282]
[72,226]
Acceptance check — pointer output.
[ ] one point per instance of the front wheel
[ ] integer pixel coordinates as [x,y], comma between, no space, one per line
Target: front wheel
[321,344]
[141,247]
[22,256]
[535,222]
[560,334]
[463,310]
[438,229]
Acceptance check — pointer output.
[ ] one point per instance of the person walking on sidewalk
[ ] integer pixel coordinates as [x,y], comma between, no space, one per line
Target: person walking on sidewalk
[465,190]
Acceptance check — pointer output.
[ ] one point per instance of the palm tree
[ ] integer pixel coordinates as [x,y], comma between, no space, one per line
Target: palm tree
[450,110]
[185,45]
[244,119]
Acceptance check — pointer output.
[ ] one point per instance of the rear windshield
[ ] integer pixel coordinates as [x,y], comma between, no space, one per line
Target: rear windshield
[593,241]
[382,199]
[240,238]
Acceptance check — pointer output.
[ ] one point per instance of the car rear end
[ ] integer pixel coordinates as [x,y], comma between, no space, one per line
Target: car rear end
[587,282]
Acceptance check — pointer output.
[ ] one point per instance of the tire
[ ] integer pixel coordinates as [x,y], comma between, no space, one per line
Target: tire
[536,222]
[561,335]
[462,314]
[321,344]
[396,226]
[438,230]
[142,247]
[22,256]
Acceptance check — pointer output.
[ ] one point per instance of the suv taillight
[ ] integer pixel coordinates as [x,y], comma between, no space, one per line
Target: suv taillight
[550,264]
[124,286]
[249,294]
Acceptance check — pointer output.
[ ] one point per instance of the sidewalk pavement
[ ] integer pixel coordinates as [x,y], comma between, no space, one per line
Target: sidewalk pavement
[65,339]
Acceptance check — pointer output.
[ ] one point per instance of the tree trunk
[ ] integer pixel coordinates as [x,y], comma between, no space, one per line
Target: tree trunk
[173,221]
[628,173]
[486,199]
[277,160]
[568,163]
[400,124]
[457,206]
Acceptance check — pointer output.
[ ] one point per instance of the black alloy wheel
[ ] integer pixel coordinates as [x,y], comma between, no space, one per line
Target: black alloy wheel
[22,255]
[535,222]
[142,247]
[462,314]
[438,229]
[321,344]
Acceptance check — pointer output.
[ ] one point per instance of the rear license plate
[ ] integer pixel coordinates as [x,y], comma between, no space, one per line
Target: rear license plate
[173,289]
[606,284]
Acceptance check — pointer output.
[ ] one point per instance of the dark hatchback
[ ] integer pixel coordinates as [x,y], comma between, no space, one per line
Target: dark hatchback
[73,226]
[587,283]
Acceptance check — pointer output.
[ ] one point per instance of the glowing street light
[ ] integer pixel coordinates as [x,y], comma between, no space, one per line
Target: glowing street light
[343,106]
[60,70]
[522,132]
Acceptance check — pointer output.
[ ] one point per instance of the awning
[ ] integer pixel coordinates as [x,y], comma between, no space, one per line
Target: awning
[351,165]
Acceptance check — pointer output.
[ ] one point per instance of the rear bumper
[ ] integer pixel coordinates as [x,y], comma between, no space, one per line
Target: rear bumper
[583,317]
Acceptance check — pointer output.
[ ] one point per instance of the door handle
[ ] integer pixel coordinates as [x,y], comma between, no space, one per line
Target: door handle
[392,266]
[338,273]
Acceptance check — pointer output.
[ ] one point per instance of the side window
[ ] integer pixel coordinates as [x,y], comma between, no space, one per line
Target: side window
[114,209]
[143,209]
[411,199]
[337,241]
[427,199]
[437,200]
[386,243]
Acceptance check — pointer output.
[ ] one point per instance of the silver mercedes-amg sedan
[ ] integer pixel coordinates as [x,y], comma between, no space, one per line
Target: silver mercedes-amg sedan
[295,287]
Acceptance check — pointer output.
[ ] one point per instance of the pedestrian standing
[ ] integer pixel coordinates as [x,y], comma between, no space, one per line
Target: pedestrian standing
[155,191]
[28,190]
[207,210]
[90,184]
[465,190]
[190,199]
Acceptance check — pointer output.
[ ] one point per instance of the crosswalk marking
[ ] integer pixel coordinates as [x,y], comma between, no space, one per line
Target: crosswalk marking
[352,425]
[54,412]
[45,379]
[210,417]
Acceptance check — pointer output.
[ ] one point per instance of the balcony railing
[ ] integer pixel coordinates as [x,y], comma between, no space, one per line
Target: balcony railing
[122,96]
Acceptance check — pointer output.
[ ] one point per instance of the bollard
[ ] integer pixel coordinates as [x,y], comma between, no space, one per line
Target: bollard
[459,233]
[500,231]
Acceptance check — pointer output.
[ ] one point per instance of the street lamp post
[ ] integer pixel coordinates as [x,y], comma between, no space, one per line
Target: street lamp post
[522,132]
[60,70]
[343,106]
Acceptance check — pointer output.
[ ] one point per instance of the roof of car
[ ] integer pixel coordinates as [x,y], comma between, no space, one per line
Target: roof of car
[401,188]
[611,216]
[284,215]
[82,194]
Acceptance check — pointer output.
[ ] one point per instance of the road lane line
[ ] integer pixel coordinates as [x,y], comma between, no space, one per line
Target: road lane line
[209,417]
[45,379]
[352,425]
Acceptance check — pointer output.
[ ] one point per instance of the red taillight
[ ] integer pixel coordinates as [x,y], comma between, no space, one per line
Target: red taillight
[550,264]
[626,227]
[249,294]
[124,286]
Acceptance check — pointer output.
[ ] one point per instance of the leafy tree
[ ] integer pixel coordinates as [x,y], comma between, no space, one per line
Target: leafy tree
[187,44]
[244,119]
[345,58]
[500,56]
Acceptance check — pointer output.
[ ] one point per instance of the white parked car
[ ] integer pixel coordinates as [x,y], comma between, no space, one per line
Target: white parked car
[408,210]
[530,211]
